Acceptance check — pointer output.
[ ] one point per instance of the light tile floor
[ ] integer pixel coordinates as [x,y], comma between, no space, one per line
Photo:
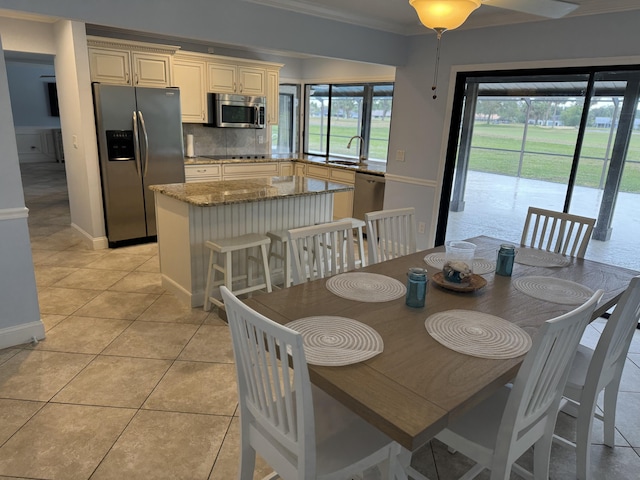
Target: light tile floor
[130,384]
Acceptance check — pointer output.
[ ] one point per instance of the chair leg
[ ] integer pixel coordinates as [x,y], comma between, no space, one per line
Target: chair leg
[541,457]
[247,463]
[228,268]
[360,240]
[250,274]
[287,264]
[610,404]
[584,429]
[265,263]
[207,288]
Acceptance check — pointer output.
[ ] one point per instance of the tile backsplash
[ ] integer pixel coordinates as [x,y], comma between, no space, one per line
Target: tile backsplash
[226,141]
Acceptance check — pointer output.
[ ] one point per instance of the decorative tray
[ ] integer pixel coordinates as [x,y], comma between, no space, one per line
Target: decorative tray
[476,283]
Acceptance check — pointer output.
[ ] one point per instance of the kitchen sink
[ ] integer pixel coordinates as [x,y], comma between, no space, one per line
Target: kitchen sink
[343,162]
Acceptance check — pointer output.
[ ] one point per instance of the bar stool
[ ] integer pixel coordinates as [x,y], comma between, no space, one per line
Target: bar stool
[220,260]
[280,237]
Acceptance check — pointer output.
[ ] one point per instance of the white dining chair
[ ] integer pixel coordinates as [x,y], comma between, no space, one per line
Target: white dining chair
[300,431]
[496,432]
[319,251]
[390,233]
[594,370]
[557,232]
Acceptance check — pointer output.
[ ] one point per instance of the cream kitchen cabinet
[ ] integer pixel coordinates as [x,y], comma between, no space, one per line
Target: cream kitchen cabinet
[189,74]
[230,171]
[151,69]
[342,201]
[287,169]
[236,171]
[130,63]
[202,173]
[110,66]
[273,96]
[239,79]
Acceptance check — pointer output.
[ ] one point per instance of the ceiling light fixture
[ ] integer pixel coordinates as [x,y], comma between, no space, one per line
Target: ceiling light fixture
[443,15]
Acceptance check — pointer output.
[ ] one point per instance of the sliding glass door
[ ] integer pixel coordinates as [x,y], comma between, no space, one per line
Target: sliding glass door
[561,140]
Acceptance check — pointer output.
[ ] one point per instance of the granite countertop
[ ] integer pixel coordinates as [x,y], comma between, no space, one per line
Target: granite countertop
[376,168]
[208,194]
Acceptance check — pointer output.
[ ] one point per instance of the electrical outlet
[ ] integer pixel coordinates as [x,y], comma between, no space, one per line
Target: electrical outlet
[399,155]
[422,227]
[260,139]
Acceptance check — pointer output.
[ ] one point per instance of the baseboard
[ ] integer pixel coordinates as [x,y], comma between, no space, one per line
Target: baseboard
[21,334]
[94,243]
[183,295]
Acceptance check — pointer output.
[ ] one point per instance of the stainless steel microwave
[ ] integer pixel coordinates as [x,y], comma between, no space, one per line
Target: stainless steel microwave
[236,111]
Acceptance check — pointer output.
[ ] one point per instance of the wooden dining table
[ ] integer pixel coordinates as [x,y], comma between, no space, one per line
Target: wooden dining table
[416,386]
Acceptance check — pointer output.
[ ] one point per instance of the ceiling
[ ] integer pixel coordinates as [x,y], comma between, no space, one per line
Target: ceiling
[398,16]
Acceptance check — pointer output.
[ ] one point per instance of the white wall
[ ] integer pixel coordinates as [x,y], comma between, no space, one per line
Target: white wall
[318,70]
[27,36]
[29,94]
[231,22]
[19,311]
[78,132]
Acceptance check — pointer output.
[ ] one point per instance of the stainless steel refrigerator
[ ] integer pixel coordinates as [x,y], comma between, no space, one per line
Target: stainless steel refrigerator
[140,144]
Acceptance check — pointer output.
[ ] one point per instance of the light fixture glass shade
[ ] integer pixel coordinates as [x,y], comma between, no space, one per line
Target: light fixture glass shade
[444,14]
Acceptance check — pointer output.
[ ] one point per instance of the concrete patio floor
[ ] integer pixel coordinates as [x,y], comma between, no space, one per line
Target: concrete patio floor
[496,205]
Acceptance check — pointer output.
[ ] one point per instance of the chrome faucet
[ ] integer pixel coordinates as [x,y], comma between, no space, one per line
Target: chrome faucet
[362,157]
[351,140]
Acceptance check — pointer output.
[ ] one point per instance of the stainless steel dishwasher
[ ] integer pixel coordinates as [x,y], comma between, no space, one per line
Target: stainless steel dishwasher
[368,195]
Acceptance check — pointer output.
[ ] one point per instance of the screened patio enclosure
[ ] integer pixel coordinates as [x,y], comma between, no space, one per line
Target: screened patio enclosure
[563,140]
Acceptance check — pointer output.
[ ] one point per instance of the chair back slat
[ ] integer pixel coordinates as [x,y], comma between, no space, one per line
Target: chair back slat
[274,389]
[557,232]
[390,233]
[538,387]
[320,251]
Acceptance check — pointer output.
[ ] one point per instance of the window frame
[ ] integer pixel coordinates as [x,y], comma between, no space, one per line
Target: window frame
[364,126]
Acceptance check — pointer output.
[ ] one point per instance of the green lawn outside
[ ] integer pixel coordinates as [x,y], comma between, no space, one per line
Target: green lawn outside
[548,151]
[342,130]
[557,141]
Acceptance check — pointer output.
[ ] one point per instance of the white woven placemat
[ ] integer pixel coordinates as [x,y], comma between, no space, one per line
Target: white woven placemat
[366,287]
[335,341]
[554,290]
[480,265]
[478,334]
[541,258]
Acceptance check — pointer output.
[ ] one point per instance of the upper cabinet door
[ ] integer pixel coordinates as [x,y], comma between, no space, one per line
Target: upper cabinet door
[242,80]
[273,97]
[110,66]
[252,81]
[222,78]
[151,69]
[189,76]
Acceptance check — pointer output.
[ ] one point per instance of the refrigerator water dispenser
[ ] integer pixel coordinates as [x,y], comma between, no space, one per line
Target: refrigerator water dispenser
[120,145]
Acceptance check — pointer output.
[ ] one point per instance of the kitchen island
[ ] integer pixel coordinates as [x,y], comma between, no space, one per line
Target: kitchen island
[189,214]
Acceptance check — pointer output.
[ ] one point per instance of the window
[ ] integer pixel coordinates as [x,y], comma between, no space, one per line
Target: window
[350,121]
[284,138]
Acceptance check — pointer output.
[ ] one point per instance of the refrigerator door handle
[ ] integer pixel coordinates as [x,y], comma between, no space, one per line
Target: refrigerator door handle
[136,144]
[146,144]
